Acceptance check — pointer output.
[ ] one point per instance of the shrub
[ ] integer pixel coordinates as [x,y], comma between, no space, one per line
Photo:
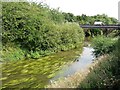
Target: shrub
[103,45]
[71,35]
[38,33]
[106,74]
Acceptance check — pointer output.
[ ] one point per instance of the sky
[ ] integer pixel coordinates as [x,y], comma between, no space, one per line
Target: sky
[88,7]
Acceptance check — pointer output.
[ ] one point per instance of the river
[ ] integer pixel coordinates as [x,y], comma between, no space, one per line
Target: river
[85,59]
[38,73]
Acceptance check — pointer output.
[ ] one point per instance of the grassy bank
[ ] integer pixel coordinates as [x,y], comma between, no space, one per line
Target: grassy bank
[103,73]
[74,80]
[107,73]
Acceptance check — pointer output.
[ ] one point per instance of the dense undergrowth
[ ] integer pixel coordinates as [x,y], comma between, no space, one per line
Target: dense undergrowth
[103,45]
[33,30]
[107,73]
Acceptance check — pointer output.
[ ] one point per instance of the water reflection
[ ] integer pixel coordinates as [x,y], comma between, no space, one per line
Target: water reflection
[81,62]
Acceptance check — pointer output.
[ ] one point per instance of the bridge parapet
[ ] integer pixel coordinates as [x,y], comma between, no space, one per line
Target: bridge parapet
[101,26]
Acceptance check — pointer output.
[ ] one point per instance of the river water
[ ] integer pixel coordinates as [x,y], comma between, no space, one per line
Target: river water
[81,62]
[39,73]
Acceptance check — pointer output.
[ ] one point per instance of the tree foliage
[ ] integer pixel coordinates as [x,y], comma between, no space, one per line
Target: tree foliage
[37,29]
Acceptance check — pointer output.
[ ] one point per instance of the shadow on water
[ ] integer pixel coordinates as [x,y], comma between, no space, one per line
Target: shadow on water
[81,62]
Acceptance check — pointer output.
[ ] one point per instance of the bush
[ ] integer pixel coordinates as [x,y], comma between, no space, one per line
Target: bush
[71,35]
[103,45]
[12,52]
[39,33]
[106,74]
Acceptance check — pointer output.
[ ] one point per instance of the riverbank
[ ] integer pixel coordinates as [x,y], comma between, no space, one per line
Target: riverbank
[107,73]
[103,73]
[36,73]
[74,80]
[79,63]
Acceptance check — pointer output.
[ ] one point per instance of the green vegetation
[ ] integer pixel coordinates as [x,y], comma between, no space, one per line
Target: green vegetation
[31,32]
[84,19]
[32,35]
[103,45]
[43,32]
[107,73]
[37,73]
[38,41]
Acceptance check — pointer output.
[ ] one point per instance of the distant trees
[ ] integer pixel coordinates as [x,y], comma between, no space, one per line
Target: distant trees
[91,19]
[69,17]
[84,19]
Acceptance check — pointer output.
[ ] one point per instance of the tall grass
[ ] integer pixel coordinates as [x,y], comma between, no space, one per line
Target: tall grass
[107,73]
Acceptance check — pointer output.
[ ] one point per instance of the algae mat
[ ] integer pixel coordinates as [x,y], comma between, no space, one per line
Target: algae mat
[35,73]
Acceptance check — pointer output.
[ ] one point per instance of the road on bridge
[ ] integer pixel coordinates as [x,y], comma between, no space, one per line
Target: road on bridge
[117,27]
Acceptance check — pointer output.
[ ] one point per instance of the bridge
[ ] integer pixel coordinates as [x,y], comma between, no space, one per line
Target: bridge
[105,29]
[117,27]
